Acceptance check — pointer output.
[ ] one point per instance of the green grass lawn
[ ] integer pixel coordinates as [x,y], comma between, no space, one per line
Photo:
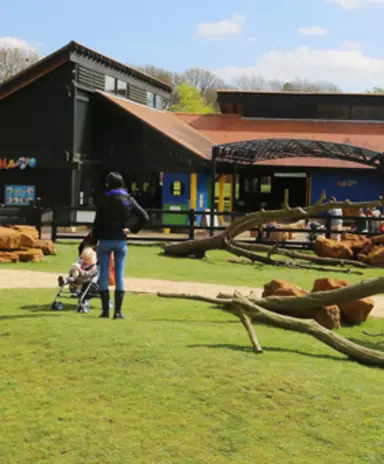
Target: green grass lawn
[177,382]
[146,261]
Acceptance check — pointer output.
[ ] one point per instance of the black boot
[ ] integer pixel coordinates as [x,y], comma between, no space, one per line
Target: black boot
[119,297]
[104,296]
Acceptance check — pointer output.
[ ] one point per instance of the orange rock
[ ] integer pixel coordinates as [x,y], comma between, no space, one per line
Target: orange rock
[352,312]
[376,256]
[327,248]
[27,240]
[329,317]
[324,284]
[9,239]
[33,255]
[378,240]
[46,246]
[30,230]
[280,286]
[293,291]
[8,257]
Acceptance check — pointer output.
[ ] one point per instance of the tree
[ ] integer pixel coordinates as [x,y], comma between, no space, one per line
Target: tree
[191,101]
[258,82]
[158,73]
[15,58]
[376,90]
[303,85]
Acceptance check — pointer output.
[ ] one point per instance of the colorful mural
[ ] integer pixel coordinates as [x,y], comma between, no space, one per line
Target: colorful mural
[20,163]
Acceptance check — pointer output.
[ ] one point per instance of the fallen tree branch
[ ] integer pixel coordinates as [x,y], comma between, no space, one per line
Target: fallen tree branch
[247,323]
[381,334]
[252,256]
[298,255]
[337,342]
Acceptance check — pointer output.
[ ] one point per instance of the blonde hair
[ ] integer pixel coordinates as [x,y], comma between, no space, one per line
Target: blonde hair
[88,254]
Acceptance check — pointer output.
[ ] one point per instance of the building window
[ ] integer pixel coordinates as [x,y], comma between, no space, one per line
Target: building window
[333,112]
[177,188]
[159,104]
[367,113]
[151,99]
[122,88]
[265,185]
[110,84]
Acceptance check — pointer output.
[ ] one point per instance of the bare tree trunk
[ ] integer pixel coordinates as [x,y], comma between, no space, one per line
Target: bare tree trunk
[256,247]
[311,327]
[252,256]
[197,248]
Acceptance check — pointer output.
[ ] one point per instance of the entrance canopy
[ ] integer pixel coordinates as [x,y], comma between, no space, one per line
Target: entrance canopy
[253,151]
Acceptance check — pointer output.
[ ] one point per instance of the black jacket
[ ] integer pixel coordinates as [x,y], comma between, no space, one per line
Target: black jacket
[113,214]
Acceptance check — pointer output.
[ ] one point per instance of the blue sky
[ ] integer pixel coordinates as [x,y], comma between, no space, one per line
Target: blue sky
[337,40]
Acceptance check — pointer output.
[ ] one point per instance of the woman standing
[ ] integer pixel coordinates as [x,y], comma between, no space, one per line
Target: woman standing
[109,230]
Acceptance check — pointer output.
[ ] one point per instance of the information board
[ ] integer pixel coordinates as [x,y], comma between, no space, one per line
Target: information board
[19,195]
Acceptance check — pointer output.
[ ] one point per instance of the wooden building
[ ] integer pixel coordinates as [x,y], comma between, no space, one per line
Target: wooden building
[76,115]
[306,142]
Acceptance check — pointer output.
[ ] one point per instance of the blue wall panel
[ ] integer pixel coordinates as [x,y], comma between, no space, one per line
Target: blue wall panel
[344,186]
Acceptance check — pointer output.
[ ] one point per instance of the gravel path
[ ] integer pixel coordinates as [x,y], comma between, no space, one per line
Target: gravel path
[32,279]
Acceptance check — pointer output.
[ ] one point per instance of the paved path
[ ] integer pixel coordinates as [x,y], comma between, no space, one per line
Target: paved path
[31,279]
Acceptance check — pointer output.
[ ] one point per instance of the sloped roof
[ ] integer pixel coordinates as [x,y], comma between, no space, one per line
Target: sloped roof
[62,56]
[168,124]
[222,129]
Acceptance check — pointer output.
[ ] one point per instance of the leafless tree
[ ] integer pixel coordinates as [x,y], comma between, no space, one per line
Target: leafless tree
[15,59]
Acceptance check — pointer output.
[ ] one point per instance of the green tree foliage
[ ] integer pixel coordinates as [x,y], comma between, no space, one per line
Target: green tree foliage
[376,90]
[191,101]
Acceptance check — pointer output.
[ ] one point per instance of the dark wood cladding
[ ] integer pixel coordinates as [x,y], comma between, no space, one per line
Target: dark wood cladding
[90,79]
[357,107]
[123,142]
[137,95]
[37,121]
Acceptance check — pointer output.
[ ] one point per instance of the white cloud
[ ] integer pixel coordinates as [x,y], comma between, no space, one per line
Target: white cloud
[355,4]
[349,69]
[352,45]
[312,31]
[224,28]
[14,42]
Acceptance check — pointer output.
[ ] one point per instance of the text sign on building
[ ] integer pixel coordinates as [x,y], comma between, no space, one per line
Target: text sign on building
[19,195]
[20,163]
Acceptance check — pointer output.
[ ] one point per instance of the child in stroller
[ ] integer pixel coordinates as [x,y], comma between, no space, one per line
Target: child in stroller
[82,280]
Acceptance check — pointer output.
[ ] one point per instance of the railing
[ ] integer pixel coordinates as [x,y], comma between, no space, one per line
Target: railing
[194,222]
[61,217]
[23,215]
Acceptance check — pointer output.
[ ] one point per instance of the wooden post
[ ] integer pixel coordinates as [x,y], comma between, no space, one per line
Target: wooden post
[193,192]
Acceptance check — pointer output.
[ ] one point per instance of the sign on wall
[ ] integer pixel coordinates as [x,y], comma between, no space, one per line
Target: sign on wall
[19,195]
[20,163]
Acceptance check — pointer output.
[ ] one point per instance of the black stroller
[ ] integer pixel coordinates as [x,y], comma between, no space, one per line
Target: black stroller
[67,290]
[89,290]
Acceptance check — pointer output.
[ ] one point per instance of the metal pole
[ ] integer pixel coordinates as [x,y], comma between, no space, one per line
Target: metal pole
[234,183]
[213,182]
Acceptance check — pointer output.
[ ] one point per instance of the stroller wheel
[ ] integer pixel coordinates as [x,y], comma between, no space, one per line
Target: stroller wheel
[57,306]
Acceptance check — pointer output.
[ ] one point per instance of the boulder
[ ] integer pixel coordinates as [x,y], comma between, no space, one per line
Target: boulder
[8,257]
[9,239]
[378,240]
[46,246]
[351,312]
[327,248]
[33,255]
[26,240]
[29,230]
[282,288]
[329,317]
[376,256]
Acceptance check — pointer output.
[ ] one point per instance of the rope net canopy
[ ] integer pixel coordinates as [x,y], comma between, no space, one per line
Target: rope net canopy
[252,151]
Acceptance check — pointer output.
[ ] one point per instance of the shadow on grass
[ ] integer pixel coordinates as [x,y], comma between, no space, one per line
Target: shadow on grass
[185,321]
[377,345]
[248,349]
[47,308]
[24,316]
